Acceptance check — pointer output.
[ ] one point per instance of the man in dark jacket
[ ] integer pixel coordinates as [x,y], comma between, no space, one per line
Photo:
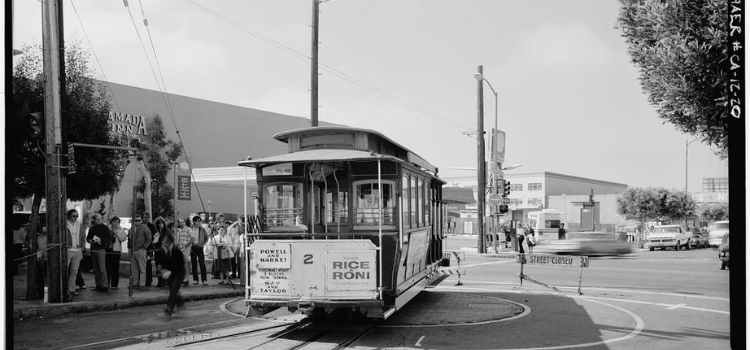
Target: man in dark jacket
[150,250]
[140,240]
[173,270]
[99,237]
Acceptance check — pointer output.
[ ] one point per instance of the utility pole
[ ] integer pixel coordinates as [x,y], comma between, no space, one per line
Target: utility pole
[314,65]
[482,172]
[53,137]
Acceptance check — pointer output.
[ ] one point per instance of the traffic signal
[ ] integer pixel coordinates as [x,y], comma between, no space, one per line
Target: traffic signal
[36,122]
[506,188]
[71,159]
[502,208]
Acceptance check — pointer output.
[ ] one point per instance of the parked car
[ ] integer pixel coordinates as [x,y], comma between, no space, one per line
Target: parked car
[668,236]
[698,241]
[724,252]
[716,231]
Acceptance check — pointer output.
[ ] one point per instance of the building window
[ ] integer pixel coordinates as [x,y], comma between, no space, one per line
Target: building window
[716,184]
[516,201]
[535,202]
[536,186]
[516,187]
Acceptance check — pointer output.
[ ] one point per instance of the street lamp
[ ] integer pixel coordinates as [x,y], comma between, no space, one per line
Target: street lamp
[686,163]
[493,155]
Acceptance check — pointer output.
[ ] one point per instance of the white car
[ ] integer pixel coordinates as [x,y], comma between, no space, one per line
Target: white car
[716,232]
[668,236]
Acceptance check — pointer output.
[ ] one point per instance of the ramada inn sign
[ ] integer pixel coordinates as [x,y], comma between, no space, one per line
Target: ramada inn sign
[127,123]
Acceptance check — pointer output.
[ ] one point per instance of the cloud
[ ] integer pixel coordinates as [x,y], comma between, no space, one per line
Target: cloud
[567,44]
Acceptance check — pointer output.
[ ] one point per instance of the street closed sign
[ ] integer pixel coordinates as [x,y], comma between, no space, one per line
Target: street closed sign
[553,260]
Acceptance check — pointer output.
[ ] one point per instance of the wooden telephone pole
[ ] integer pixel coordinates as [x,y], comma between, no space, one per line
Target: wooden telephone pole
[56,255]
[314,65]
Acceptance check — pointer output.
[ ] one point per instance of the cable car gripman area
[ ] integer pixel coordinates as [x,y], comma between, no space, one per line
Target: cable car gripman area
[347,219]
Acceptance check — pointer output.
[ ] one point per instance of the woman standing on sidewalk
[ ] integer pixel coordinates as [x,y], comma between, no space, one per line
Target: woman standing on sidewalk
[114,251]
[160,231]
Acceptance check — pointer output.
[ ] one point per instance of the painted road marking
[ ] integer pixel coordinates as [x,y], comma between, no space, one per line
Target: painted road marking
[676,306]
[464,289]
[418,343]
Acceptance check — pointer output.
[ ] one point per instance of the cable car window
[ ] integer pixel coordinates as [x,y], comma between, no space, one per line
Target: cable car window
[405,202]
[337,202]
[420,201]
[426,203]
[284,169]
[370,199]
[413,195]
[282,203]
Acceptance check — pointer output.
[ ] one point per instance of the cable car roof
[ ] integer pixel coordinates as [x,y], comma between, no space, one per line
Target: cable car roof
[319,154]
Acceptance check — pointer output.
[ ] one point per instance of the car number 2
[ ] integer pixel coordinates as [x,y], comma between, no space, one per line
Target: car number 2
[308,259]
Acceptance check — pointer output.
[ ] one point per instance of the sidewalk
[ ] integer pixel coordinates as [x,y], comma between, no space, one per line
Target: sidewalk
[89,300]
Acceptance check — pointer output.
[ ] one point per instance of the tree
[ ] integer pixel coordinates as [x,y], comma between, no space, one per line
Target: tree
[645,204]
[681,50]
[85,106]
[714,212]
[160,154]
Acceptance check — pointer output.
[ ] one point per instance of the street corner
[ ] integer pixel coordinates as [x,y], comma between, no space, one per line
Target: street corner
[433,308]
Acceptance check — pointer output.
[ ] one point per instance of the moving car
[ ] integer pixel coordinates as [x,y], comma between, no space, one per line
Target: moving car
[668,236]
[586,244]
[724,252]
[698,241]
[716,231]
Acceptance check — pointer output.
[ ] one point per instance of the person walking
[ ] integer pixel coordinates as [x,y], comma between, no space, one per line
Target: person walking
[99,237]
[561,232]
[140,240]
[173,272]
[184,241]
[114,253]
[160,231]
[197,258]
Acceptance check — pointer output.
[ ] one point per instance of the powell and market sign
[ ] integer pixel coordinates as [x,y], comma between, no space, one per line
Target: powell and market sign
[127,123]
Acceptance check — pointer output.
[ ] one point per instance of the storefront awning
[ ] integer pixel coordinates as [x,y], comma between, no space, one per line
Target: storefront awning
[321,155]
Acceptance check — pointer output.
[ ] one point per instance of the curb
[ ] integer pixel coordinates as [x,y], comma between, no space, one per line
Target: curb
[84,307]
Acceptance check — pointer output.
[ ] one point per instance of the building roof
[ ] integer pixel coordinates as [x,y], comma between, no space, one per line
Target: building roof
[459,194]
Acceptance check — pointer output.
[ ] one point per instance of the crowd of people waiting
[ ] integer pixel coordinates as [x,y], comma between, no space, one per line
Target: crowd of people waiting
[198,239]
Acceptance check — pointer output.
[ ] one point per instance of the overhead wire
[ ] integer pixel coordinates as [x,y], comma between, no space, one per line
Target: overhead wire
[161,86]
[96,58]
[169,105]
[342,75]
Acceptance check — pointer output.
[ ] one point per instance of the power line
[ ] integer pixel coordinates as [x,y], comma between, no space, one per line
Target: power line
[162,87]
[169,104]
[341,75]
[96,58]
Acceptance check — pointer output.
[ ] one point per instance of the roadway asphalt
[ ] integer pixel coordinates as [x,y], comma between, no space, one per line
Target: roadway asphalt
[89,300]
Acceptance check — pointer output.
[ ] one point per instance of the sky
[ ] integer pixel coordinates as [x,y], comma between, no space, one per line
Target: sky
[569,99]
